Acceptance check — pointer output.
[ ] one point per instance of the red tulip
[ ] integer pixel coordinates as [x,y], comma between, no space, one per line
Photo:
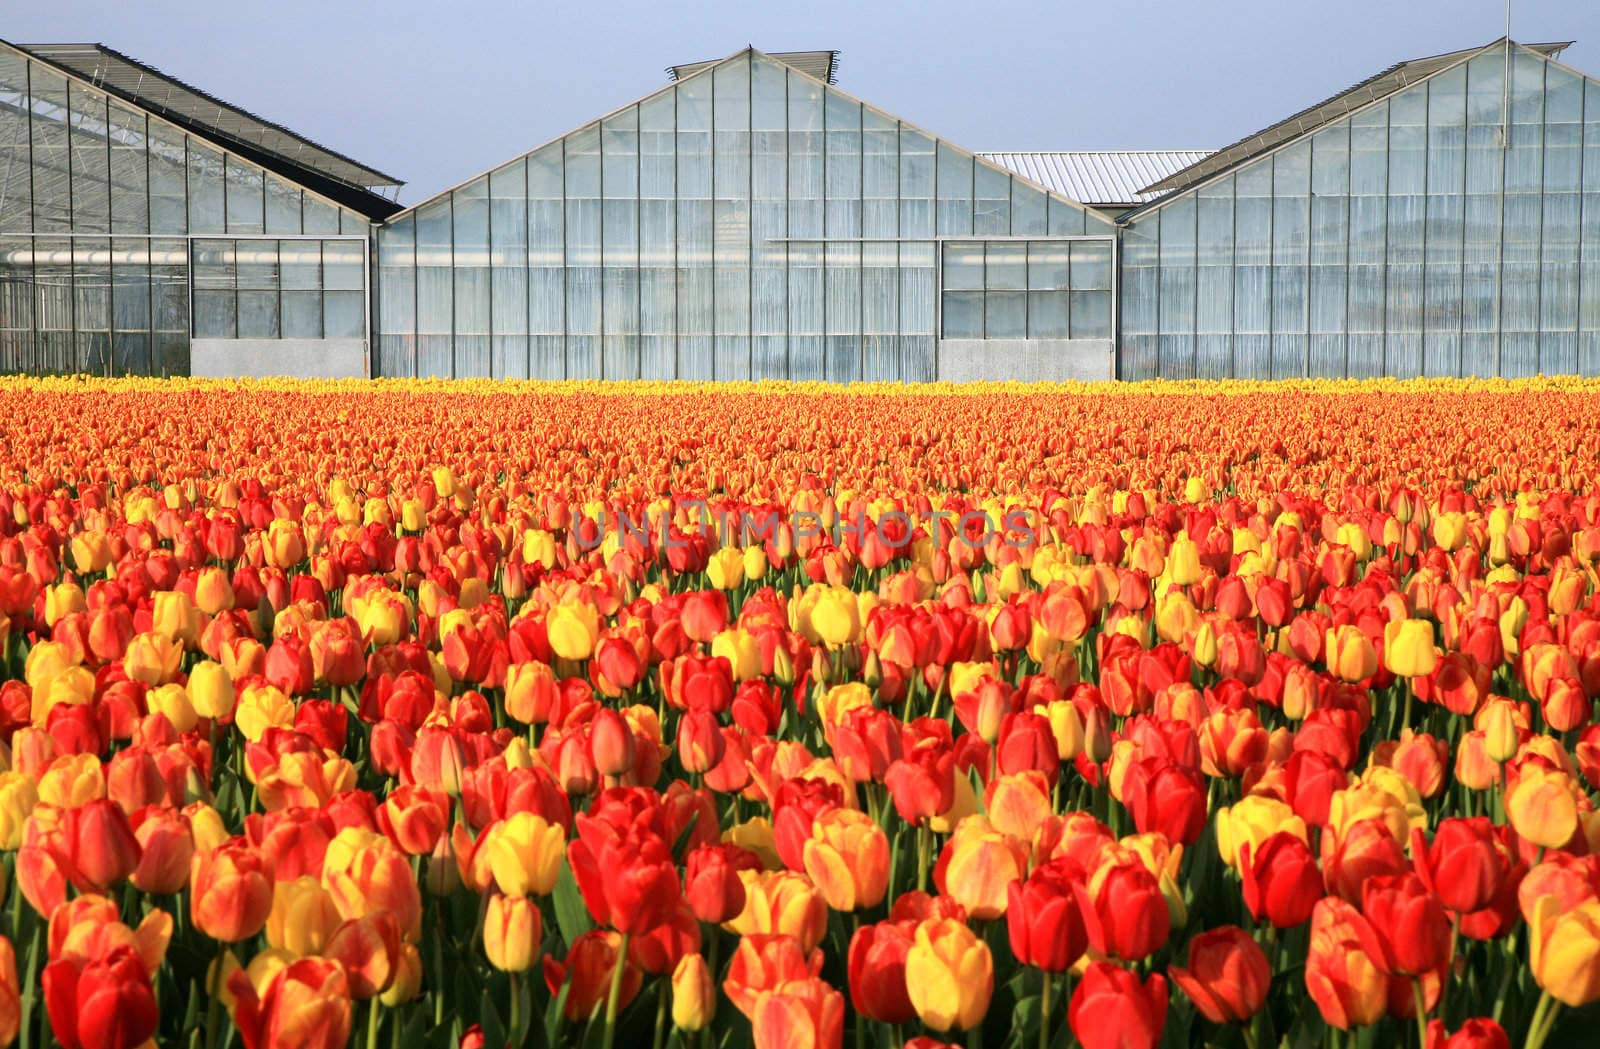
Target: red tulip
[922,783]
[1124,911]
[877,971]
[1043,917]
[1281,881]
[104,848]
[587,971]
[1227,976]
[629,884]
[1166,797]
[764,962]
[801,1014]
[1113,1009]
[1411,932]
[305,1004]
[1479,1032]
[1465,863]
[107,1004]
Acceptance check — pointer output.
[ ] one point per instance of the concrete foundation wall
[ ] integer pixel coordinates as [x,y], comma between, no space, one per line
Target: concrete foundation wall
[297,358]
[1026,360]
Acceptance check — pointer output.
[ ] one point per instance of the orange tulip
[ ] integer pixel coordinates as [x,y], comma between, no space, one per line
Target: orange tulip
[231,892]
[305,1005]
[949,974]
[847,858]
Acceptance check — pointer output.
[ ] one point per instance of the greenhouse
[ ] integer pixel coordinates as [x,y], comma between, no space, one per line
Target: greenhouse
[751,220]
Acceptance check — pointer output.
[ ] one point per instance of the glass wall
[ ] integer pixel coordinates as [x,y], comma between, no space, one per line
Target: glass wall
[748,222]
[99,204]
[271,289]
[1026,289]
[1452,228]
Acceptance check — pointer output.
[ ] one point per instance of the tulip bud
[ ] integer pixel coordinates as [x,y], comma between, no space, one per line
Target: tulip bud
[949,974]
[512,932]
[694,993]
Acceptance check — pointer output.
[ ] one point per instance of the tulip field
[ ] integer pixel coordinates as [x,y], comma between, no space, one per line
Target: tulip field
[425,714]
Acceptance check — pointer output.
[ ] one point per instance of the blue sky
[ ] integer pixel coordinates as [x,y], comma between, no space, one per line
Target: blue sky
[434,93]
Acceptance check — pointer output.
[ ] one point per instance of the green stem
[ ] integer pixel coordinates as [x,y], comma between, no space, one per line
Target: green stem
[1422,1004]
[975,1037]
[515,1027]
[373,1022]
[214,996]
[924,844]
[662,998]
[1044,1011]
[615,994]
[30,993]
[1544,1021]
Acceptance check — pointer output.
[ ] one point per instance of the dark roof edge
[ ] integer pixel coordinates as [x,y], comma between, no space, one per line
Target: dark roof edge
[1170,184]
[1545,50]
[356,198]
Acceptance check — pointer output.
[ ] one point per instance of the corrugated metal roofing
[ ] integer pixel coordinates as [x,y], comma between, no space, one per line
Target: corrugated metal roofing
[1379,85]
[822,65]
[1104,177]
[169,97]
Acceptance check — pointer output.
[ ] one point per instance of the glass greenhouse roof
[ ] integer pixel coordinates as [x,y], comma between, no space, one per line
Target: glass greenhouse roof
[175,100]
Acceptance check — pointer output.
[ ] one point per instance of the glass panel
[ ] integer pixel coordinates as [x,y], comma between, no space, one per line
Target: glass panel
[843,166]
[169,211]
[880,162]
[547,294]
[1047,266]
[1214,280]
[963,315]
[1005,266]
[16,183]
[769,216]
[658,280]
[508,259]
[258,315]
[435,288]
[1091,265]
[1090,314]
[318,216]
[130,190]
[52,184]
[1005,315]
[302,319]
[1067,220]
[963,265]
[246,207]
[283,206]
[470,255]
[953,211]
[397,298]
[696,230]
[880,289]
[1291,239]
[343,316]
[205,188]
[991,205]
[916,312]
[91,181]
[1029,214]
[1136,357]
[1047,314]
[344,263]
[731,219]
[130,284]
[916,183]
[1176,348]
